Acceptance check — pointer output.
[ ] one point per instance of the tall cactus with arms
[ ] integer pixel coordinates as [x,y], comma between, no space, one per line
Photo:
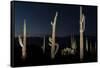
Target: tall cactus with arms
[82,28]
[52,43]
[22,42]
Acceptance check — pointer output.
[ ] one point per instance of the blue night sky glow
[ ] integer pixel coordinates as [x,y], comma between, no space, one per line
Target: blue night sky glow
[39,16]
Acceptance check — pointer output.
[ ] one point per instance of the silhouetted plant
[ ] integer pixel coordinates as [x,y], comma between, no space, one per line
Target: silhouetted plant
[52,43]
[22,41]
[82,28]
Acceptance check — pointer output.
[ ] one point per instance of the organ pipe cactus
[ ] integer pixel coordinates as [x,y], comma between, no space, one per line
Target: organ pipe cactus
[52,43]
[82,28]
[22,41]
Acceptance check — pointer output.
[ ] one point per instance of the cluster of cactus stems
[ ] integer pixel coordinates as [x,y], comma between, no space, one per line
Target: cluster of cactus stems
[43,47]
[67,51]
[72,50]
[53,44]
[91,47]
[82,28]
[22,41]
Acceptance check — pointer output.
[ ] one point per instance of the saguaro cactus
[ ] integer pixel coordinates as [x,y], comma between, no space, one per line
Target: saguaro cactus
[87,45]
[52,43]
[73,43]
[82,28]
[43,47]
[22,41]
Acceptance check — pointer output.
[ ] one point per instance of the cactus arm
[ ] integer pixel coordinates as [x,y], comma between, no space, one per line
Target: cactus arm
[50,44]
[51,23]
[56,17]
[20,41]
[24,31]
[52,52]
[50,39]
[57,47]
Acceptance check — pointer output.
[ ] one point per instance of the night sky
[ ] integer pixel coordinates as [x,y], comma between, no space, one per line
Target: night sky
[38,17]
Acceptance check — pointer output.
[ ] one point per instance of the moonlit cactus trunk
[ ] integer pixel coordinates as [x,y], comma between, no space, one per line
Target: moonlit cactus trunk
[22,42]
[52,43]
[43,47]
[73,44]
[87,45]
[82,28]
